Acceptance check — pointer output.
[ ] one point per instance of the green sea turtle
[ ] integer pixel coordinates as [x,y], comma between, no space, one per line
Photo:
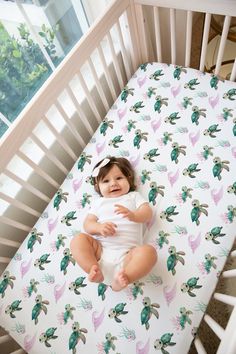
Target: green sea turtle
[105,125]
[176,151]
[172,118]
[151,91]
[148,310]
[219,166]
[197,210]
[231,213]
[209,262]
[212,130]
[115,141]
[131,125]
[82,160]
[234,126]
[166,137]
[230,94]
[191,169]
[139,136]
[162,238]
[184,317]
[164,342]
[137,106]
[154,191]
[156,75]
[76,335]
[45,337]
[39,307]
[66,260]
[77,284]
[174,258]
[160,101]
[85,199]
[68,217]
[34,236]
[39,262]
[126,92]
[60,195]
[178,70]
[214,234]
[15,306]
[232,188]
[191,84]
[60,241]
[166,214]
[227,112]
[109,344]
[214,81]
[102,288]
[137,288]
[6,281]
[117,311]
[32,287]
[187,101]
[190,286]
[68,313]
[197,112]
[144,66]
[186,192]
[145,176]
[207,151]
[151,154]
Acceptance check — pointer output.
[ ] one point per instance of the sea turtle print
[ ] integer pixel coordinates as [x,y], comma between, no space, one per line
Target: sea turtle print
[45,337]
[209,262]
[230,94]
[227,113]
[137,288]
[102,288]
[164,342]
[172,118]
[154,191]
[207,151]
[68,314]
[32,288]
[214,81]
[115,141]
[214,234]
[66,260]
[76,335]
[151,91]
[191,170]
[184,317]
[126,92]
[232,188]
[148,310]
[60,242]
[166,137]
[176,151]
[68,217]
[197,210]
[82,161]
[190,285]
[187,101]
[60,196]
[109,343]
[231,213]
[186,193]
[106,123]
[174,258]
[15,306]
[39,307]
[117,311]
[145,176]
[34,236]
[40,262]
[151,154]
[139,136]
[219,166]
[191,84]
[160,101]
[137,106]
[6,281]
[77,284]
[178,70]
[212,130]
[156,75]
[162,239]
[197,113]
[168,213]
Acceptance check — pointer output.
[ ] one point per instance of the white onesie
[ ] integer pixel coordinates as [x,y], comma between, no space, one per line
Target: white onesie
[129,234]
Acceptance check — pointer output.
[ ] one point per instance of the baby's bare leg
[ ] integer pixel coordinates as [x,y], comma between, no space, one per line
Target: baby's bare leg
[87,251]
[138,263]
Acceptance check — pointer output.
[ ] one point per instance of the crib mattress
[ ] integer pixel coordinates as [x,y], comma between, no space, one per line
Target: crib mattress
[177,127]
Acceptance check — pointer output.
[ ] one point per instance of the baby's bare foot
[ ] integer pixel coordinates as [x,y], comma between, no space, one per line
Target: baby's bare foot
[95,274]
[120,281]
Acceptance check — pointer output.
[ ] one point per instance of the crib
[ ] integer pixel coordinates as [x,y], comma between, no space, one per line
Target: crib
[39,151]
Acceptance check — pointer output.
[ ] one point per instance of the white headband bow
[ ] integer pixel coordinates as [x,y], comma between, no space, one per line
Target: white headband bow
[97,169]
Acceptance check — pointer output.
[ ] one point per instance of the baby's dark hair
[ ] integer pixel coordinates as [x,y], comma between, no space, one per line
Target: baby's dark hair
[123,164]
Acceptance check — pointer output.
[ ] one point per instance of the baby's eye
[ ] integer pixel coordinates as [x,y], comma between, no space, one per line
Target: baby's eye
[105,181]
[120,177]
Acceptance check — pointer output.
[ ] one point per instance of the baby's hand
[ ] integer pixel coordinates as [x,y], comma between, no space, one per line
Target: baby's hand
[120,209]
[107,229]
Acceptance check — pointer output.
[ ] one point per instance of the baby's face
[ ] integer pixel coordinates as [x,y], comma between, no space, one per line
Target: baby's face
[114,184]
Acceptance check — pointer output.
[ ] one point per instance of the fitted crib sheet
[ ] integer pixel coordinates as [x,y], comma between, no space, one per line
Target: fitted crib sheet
[177,127]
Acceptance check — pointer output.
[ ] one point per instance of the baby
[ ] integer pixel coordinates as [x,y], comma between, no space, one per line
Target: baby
[112,249]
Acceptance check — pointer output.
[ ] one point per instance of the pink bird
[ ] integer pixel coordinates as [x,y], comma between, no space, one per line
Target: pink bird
[97,319]
[194,137]
[24,267]
[155,124]
[175,90]
[194,242]
[217,195]
[122,112]
[142,349]
[141,81]
[59,291]
[233,150]
[169,293]
[76,184]
[29,342]
[100,147]
[213,100]
[173,177]
[134,160]
[52,224]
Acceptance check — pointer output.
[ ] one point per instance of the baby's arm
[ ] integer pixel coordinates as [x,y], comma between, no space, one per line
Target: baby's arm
[141,215]
[93,227]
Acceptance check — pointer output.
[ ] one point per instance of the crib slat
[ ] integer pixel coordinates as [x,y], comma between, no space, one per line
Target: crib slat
[229,273]
[60,139]
[157,33]
[38,170]
[199,346]
[10,243]
[188,38]
[142,33]
[106,71]
[115,61]
[134,37]
[5,260]
[227,299]
[219,331]
[16,224]
[19,351]
[205,41]
[98,85]
[222,44]
[126,59]
[233,73]
[89,98]
[6,338]
[173,36]
[49,154]
[19,204]
[27,186]
[70,124]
